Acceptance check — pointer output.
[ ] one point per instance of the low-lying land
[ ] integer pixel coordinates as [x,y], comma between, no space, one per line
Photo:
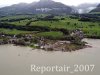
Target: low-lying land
[49,32]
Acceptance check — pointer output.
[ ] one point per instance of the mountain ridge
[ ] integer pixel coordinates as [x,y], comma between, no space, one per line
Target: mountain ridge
[96,10]
[85,7]
[40,7]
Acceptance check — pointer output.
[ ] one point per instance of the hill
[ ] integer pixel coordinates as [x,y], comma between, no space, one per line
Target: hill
[41,7]
[85,7]
[96,10]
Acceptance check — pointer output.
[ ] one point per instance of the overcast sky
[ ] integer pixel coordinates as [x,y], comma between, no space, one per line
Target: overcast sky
[67,2]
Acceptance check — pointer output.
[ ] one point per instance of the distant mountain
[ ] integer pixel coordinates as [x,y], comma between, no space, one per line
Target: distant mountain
[99,5]
[43,6]
[96,10]
[86,7]
[1,6]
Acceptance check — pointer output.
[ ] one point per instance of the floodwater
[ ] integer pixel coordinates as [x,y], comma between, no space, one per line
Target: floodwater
[16,60]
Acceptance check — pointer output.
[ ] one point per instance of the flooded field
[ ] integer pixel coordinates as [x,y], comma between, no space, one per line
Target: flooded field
[16,60]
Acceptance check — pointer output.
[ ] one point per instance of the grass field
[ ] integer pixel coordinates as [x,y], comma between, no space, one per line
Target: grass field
[13,31]
[21,22]
[51,35]
[89,28]
[15,17]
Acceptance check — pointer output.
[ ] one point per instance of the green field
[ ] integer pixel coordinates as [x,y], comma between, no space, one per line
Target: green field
[21,22]
[66,22]
[13,31]
[51,35]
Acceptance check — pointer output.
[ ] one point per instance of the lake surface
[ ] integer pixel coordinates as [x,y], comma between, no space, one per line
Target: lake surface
[16,60]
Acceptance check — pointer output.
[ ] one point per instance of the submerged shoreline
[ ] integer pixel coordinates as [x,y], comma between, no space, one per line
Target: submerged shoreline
[66,47]
[48,41]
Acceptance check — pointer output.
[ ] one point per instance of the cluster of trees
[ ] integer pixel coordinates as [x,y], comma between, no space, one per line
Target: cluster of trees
[49,18]
[77,36]
[87,17]
[32,28]
[25,28]
[65,31]
[13,20]
[74,17]
[28,23]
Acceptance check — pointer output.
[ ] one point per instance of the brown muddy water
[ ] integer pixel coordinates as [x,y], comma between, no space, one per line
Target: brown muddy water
[16,60]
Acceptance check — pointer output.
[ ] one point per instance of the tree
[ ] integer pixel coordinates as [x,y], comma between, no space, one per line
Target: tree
[77,37]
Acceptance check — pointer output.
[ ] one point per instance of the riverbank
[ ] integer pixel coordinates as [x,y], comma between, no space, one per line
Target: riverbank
[48,41]
[45,44]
